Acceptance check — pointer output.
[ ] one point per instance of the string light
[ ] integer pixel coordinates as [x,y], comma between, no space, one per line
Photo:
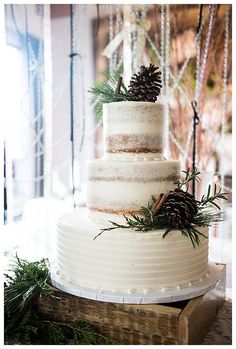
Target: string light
[210,11]
[118,26]
[167,72]
[203,63]
[111,34]
[206,49]
[198,56]
[176,80]
[225,90]
[135,41]
[162,43]
[171,75]
[196,40]
[177,143]
[81,117]
[168,75]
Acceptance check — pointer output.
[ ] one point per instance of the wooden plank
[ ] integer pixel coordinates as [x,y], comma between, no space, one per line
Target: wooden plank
[197,317]
[125,323]
[183,322]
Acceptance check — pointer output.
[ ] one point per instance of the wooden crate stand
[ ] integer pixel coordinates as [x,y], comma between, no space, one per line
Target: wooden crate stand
[184,322]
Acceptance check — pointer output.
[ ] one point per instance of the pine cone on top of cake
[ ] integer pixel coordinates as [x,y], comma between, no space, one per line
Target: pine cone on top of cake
[146,84]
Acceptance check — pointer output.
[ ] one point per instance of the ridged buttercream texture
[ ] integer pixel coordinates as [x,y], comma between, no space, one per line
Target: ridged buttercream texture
[124,260]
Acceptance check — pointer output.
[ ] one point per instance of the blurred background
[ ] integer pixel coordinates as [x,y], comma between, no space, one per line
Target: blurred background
[53,54]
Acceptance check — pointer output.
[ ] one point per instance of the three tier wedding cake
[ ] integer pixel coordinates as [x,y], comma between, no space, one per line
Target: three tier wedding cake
[132,171]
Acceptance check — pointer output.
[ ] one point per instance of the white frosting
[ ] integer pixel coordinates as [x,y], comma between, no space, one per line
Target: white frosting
[131,127]
[131,172]
[133,157]
[104,217]
[133,118]
[126,186]
[125,260]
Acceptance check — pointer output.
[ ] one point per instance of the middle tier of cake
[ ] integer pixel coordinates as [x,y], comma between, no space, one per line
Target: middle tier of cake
[124,186]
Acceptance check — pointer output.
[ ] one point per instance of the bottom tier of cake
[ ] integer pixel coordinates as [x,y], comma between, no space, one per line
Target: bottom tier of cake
[124,260]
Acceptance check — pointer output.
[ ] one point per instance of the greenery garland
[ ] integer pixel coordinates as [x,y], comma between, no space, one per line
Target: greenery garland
[25,282]
[149,220]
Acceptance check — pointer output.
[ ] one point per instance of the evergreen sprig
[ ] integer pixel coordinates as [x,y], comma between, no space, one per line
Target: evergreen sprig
[23,325]
[33,329]
[146,220]
[189,177]
[104,91]
[210,198]
[29,279]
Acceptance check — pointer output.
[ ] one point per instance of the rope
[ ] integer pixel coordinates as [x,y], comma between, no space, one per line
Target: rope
[195,123]
[72,57]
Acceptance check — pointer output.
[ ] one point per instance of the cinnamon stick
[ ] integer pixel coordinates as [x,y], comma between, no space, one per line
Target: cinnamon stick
[119,85]
[159,203]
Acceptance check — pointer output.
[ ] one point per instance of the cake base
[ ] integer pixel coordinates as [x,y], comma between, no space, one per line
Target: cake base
[185,322]
[163,296]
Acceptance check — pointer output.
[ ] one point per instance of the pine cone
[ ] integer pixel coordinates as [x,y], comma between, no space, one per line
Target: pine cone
[179,208]
[146,84]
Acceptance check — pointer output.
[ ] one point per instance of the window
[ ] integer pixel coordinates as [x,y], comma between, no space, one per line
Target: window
[23,136]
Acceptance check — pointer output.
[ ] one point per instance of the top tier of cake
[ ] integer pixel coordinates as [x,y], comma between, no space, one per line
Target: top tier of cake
[133,131]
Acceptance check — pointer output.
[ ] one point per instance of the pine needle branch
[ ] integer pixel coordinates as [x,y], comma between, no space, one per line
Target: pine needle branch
[189,177]
[104,91]
[210,198]
[23,325]
[152,217]
[28,281]
[146,222]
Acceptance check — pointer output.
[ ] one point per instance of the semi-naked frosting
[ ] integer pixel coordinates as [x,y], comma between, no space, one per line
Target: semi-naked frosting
[125,260]
[132,170]
[123,186]
[133,128]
